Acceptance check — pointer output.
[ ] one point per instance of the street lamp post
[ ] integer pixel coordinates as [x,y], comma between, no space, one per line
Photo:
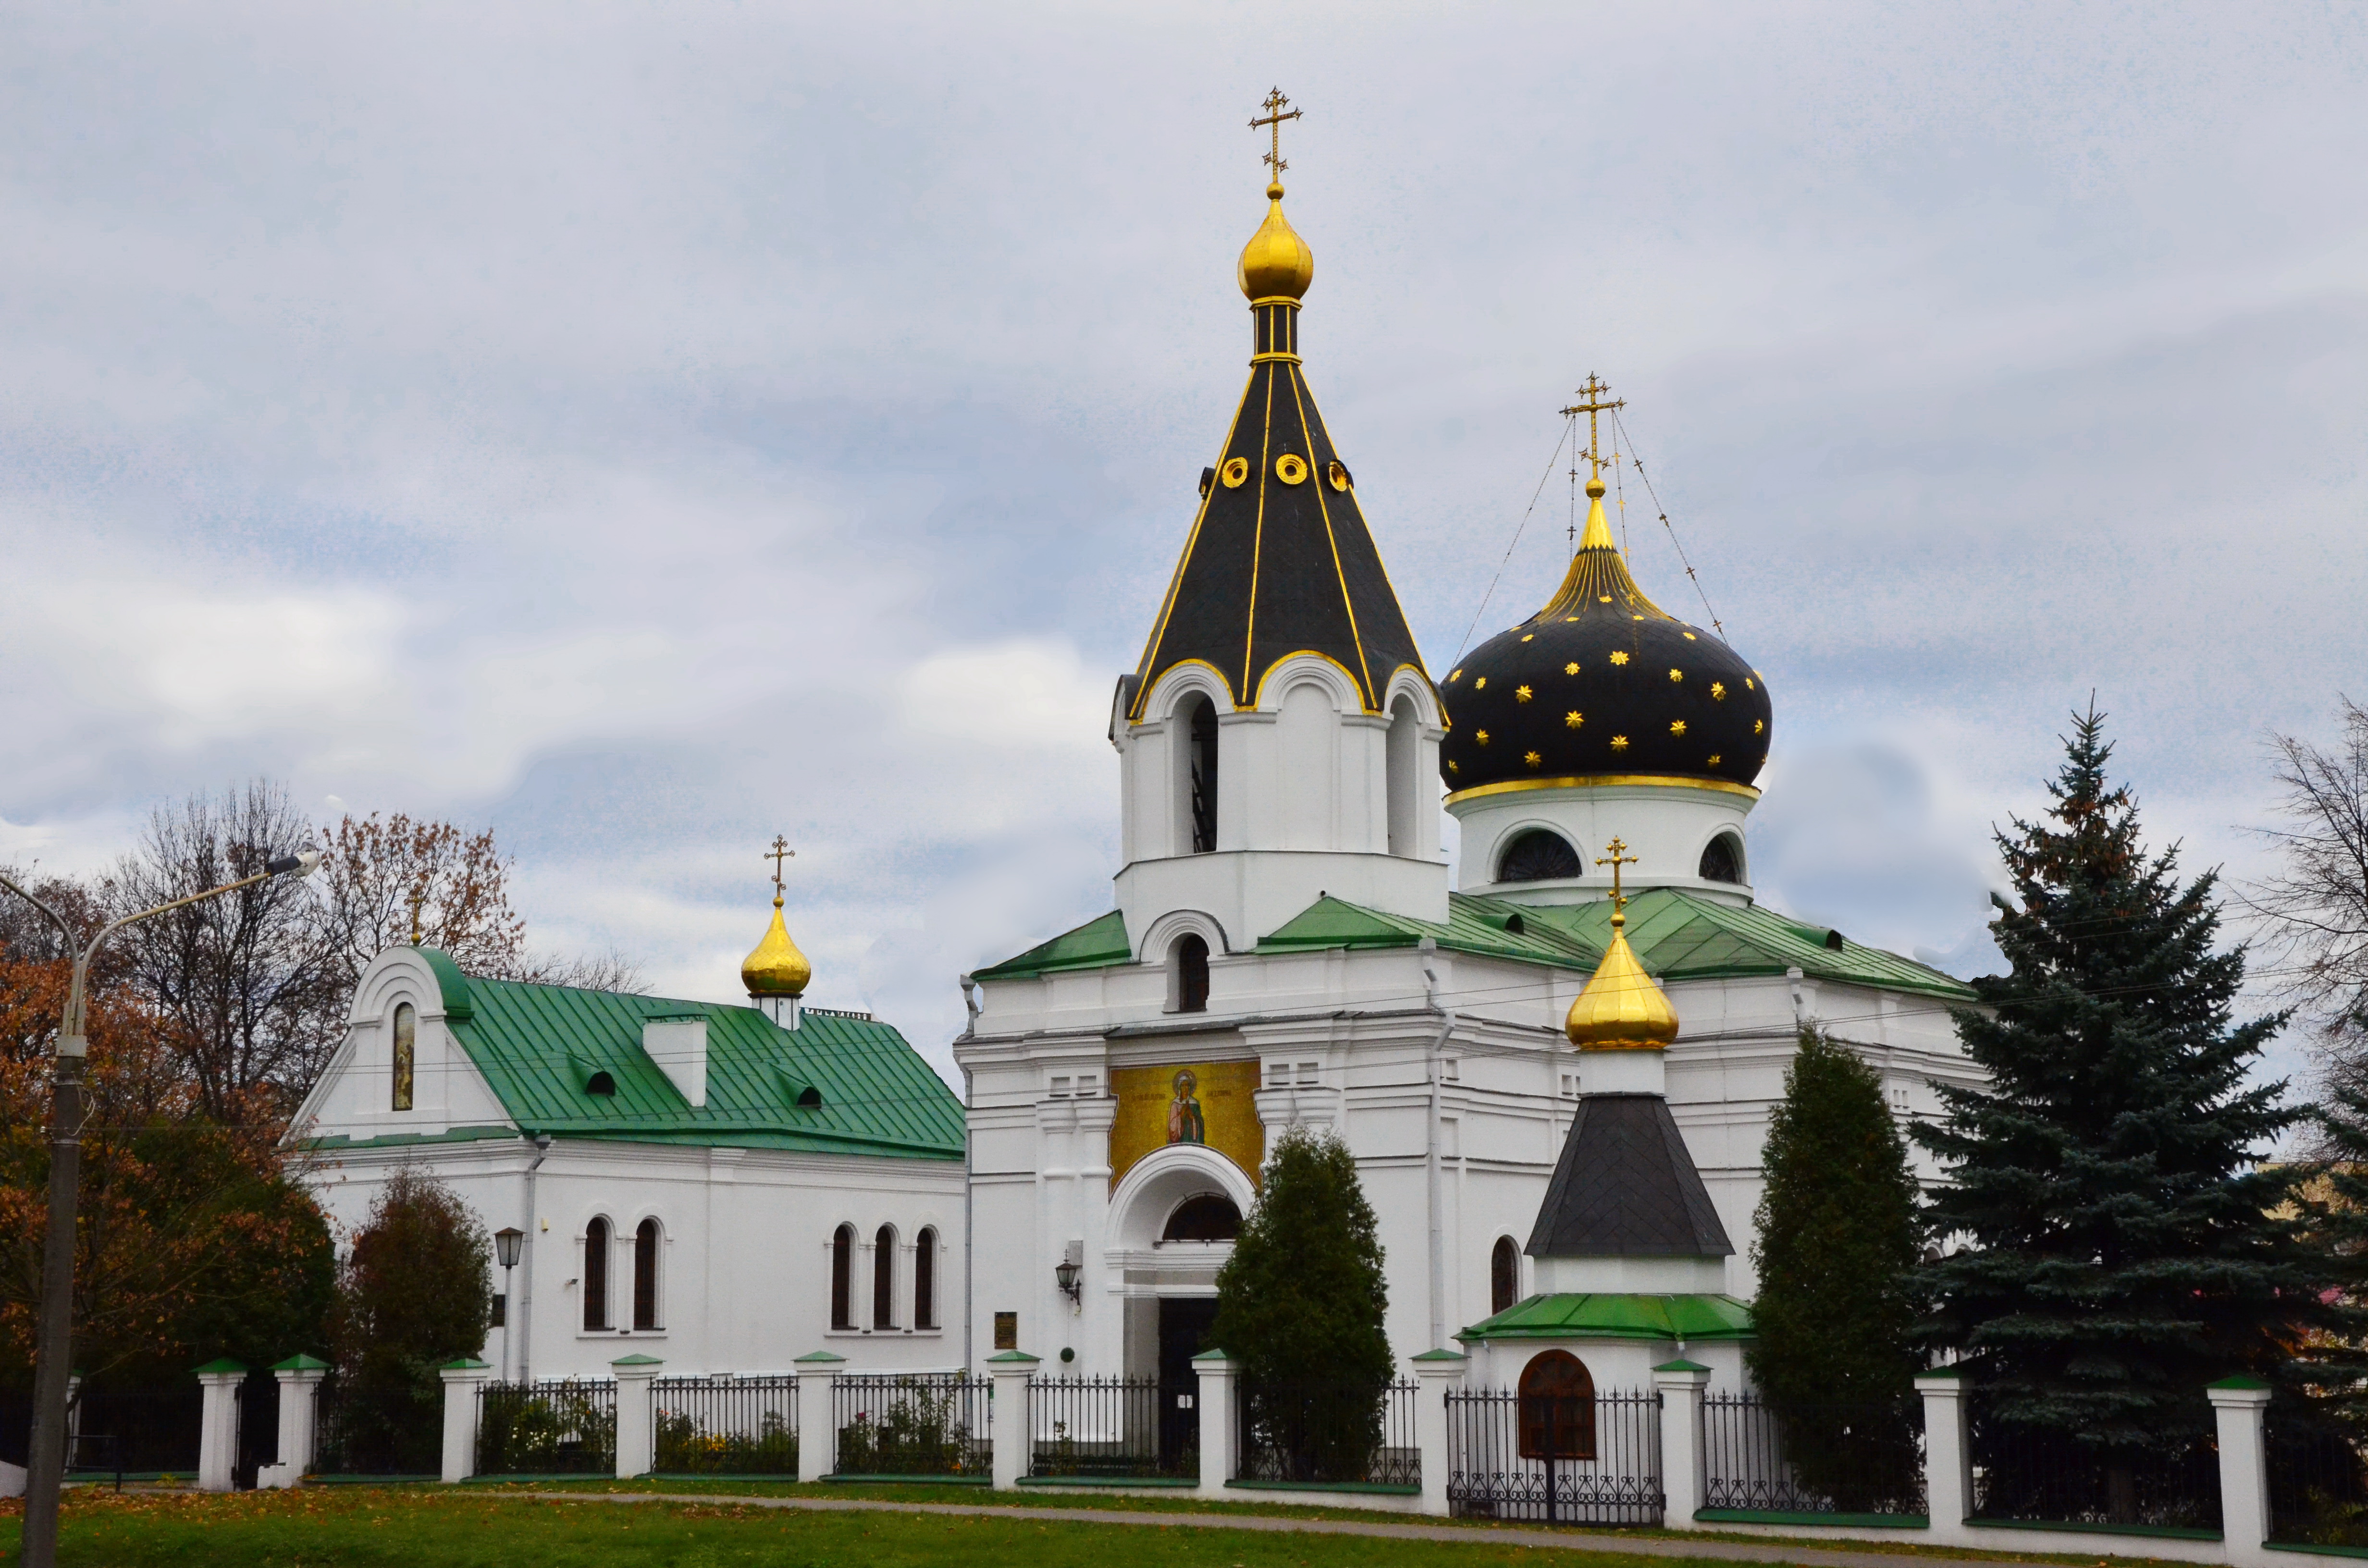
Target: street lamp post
[45,1464]
[506,1248]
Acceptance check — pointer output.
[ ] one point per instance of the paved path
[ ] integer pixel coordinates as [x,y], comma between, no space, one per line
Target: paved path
[1565,1540]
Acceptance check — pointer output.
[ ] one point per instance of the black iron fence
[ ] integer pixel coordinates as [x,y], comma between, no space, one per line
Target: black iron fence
[138,1431]
[1813,1458]
[550,1427]
[1113,1426]
[917,1424]
[1328,1433]
[2045,1475]
[725,1426]
[1590,1461]
[2319,1482]
[391,1429]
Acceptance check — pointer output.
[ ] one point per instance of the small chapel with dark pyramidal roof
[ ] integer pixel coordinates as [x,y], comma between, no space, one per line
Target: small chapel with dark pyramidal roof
[1553,1055]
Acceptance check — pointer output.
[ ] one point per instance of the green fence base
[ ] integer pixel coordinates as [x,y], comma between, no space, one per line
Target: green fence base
[1788,1516]
[916,1479]
[1370,1488]
[1173,1481]
[2322,1551]
[2160,1532]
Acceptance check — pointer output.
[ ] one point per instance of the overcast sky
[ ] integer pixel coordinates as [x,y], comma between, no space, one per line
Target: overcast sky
[645,430]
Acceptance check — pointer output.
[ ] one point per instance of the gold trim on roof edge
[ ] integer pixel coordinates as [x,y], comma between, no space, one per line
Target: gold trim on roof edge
[1600,780]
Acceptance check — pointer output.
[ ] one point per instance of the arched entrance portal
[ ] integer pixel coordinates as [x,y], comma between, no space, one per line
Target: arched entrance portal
[1173,1221]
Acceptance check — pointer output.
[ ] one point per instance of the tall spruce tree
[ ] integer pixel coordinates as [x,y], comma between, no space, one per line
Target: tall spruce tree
[1838,1236]
[2121,1246]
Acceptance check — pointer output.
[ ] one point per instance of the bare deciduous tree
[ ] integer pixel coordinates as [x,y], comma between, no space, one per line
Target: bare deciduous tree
[2315,907]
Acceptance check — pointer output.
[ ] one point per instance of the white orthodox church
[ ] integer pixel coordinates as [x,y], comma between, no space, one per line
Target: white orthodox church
[728,1187]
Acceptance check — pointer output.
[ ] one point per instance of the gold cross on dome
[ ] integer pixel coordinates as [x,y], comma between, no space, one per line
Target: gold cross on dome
[1618,858]
[1594,406]
[1274,117]
[778,853]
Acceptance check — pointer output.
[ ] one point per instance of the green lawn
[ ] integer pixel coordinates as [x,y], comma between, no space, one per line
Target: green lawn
[321,1528]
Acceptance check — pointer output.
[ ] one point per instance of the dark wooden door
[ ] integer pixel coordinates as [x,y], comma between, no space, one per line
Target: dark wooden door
[1183,1333]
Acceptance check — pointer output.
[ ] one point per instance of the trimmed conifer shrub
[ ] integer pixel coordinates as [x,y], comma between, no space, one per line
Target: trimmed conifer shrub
[1300,1308]
[2119,1243]
[414,1294]
[1838,1236]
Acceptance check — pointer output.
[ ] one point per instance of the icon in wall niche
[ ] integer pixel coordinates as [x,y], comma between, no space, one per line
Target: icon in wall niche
[1185,1122]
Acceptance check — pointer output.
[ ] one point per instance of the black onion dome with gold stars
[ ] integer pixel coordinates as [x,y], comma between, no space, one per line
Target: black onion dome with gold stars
[1603,683]
[1280,561]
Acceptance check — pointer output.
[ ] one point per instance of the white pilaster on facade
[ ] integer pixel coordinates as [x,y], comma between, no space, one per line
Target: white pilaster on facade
[1014,1443]
[636,1431]
[817,1431]
[1948,1455]
[299,1379]
[2239,1407]
[1215,1369]
[218,1429]
[1438,1373]
[1681,1385]
[463,1378]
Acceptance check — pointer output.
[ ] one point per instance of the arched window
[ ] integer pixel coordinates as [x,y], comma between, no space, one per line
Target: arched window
[1208,1218]
[645,1275]
[1504,1274]
[596,1274]
[1722,859]
[1404,761]
[1557,1408]
[842,1278]
[884,1277]
[406,1048]
[925,1279]
[1190,957]
[1197,720]
[1537,856]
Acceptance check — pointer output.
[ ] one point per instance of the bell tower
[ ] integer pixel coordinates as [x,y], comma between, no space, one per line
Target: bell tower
[1280,738]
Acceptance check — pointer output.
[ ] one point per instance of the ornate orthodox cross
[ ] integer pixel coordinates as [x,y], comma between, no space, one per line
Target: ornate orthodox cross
[1594,406]
[1618,858]
[778,853]
[1275,116]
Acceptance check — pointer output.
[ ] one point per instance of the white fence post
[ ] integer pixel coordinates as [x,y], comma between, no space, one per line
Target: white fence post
[817,1429]
[2239,1406]
[1681,1385]
[1437,1373]
[1948,1456]
[299,1416]
[637,1438]
[218,1429]
[1013,1444]
[1215,1369]
[463,1378]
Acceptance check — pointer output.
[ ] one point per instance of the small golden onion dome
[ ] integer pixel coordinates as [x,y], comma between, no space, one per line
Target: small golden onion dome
[776,968]
[1621,1009]
[1276,261]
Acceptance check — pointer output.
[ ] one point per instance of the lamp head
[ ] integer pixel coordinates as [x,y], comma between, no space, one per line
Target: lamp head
[305,862]
[507,1242]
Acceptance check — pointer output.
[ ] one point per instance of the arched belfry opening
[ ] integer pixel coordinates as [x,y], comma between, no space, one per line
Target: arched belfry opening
[1197,720]
[1722,859]
[1188,961]
[1404,764]
[1538,855]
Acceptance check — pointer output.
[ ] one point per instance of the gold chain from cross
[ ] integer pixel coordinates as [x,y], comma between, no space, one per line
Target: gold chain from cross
[1617,857]
[778,853]
[1275,116]
[1594,407]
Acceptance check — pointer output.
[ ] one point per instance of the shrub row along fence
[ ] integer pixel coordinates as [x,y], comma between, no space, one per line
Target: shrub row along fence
[395,1431]
[552,1427]
[724,1426]
[2319,1483]
[935,1424]
[1113,1429]
[1864,1459]
[1326,1433]
[1591,1459]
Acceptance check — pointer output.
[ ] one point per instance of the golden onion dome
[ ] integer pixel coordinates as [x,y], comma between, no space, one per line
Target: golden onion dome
[1276,262]
[776,968]
[1621,1009]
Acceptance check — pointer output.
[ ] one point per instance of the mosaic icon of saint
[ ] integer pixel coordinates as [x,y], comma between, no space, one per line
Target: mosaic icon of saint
[1184,1121]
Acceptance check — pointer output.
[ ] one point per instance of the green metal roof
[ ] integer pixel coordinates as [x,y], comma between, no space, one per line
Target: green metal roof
[1599,1314]
[538,1046]
[1098,942]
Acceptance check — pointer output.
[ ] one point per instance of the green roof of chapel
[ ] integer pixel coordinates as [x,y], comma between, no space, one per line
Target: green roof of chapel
[1678,936]
[1603,1314]
[538,1046]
